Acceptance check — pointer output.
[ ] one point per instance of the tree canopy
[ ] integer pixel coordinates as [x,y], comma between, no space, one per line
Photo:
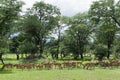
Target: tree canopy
[42,30]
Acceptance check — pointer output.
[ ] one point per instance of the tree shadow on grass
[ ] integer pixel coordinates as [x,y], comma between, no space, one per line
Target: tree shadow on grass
[28,61]
[11,59]
[6,71]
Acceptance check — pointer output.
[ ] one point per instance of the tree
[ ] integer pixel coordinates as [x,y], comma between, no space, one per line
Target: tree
[101,15]
[59,32]
[9,11]
[16,42]
[78,34]
[1,57]
[40,20]
[14,45]
[53,48]
[116,47]
[115,10]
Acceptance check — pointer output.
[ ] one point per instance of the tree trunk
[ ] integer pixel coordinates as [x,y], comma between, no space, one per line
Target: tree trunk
[1,58]
[75,56]
[52,56]
[2,61]
[100,58]
[17,56]
[57,52]
[39,43]
[108,55]
[56,56]
[61,55]
[41,51]
[109,47]
[41,47]
[81,52]
[81,55]
[116,21]
[58,46]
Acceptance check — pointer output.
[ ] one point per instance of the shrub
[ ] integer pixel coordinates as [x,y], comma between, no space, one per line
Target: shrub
[100,51]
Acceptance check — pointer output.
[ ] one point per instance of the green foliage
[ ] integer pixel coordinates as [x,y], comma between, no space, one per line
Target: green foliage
[9,12]
[102,13]
[39,21]
[4,47]
[77,35]
[27,47]
[116,48]
[100,51]
[82,33]
[14,45]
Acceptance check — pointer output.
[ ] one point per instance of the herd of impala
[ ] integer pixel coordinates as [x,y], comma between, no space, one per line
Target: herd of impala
[64,65]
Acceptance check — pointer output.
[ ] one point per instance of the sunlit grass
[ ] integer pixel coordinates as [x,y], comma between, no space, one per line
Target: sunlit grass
[65,74]
[76,74]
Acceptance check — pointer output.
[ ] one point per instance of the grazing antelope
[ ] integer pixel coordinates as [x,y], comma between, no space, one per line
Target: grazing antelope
[79,64]
[39,66]
[114,63]
[57,65]
[89,65]
[47,65]
[104,64]
[9,65]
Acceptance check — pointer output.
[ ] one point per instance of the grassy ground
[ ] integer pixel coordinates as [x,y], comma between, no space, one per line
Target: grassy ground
[76,74]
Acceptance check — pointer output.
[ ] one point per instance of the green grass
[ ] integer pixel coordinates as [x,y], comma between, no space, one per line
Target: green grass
[76,74]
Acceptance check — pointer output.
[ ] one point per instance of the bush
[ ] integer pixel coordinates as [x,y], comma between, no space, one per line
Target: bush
[100,51]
